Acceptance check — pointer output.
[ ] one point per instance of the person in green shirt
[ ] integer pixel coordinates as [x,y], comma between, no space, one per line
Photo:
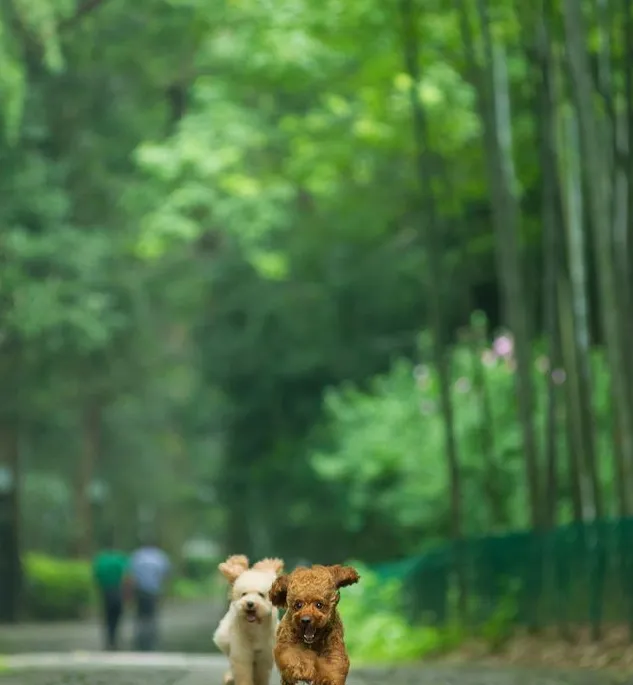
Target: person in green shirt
[110,568]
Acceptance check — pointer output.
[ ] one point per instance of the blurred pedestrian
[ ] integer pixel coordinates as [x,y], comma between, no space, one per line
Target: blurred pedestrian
[149,568]
[109,569]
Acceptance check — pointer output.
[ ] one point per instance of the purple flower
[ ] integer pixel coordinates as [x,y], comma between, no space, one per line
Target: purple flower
[559,376]
[503,345]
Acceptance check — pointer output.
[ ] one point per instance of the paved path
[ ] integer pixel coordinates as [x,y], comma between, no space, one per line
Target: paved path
[98,668]
[68,654]
[184,627]
[178,669]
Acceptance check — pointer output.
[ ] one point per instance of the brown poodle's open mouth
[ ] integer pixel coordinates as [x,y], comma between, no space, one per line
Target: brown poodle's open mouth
[309,634]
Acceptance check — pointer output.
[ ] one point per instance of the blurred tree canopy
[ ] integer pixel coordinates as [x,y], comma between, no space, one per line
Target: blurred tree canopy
[214,270]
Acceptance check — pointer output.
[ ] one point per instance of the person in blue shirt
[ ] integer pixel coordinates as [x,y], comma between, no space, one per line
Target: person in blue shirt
[148,569]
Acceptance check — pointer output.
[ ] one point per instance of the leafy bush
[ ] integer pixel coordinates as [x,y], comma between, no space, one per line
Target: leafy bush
[187,588]
[200,568]
[376,630]
[384,445]
[500,626]
[57,589]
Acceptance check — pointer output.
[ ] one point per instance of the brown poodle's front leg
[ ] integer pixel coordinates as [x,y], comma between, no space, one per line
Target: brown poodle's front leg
[332,670]
[295,665]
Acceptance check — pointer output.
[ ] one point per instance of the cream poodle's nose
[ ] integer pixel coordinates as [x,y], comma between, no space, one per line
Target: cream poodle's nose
[250,604]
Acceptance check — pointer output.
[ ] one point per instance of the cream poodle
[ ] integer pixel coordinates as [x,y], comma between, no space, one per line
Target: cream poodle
[246,633]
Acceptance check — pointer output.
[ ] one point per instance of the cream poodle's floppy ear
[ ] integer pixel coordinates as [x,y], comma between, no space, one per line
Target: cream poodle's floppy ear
[233,567]
[278,591]
[344,575]
[274,565]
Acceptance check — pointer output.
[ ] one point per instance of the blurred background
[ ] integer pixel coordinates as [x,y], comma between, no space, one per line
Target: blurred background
[347,280]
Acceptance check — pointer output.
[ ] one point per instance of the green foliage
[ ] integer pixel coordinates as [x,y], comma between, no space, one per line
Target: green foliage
[376,630]
[200,568]
[386,442]
[210,216]
[63,589]
[500,626]
[38,21]
[56,589]
[188,588]
[186,241]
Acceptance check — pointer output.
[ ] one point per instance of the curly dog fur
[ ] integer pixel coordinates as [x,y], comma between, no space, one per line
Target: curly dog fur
[246,633]
[310,643]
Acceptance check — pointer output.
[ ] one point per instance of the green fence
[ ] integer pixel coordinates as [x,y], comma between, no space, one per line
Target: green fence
[575,574]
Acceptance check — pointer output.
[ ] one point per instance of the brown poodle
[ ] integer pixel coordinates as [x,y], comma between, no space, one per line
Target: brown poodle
[310,645]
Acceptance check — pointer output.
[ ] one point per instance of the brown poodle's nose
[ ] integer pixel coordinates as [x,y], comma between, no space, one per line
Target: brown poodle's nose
[306,620]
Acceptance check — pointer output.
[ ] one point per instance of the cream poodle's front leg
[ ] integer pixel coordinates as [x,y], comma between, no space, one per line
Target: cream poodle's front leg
[242,672]
[222,635]
[222,640]
[262,669]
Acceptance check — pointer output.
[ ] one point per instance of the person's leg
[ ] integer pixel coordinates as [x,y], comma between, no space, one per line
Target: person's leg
[114,617]
[152,621]
[145,621]
[140,614]
[105,614]
[111,613]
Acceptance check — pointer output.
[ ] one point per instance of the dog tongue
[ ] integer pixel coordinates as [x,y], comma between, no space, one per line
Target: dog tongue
[251,618]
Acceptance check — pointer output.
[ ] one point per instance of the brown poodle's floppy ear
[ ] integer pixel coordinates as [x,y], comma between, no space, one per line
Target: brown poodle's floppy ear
[274,565]
[233,567]
[344,575]
[278,591]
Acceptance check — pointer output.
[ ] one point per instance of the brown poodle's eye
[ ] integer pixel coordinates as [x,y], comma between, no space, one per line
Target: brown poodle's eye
[319,605]
[298,605]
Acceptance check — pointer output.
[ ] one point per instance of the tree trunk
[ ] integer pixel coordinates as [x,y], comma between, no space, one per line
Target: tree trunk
[623,210]
[10,564]
[91,438]
[627,60]
[552,258]
[493,485]
[493,100]
[578,345]
[597,179]
[427,171]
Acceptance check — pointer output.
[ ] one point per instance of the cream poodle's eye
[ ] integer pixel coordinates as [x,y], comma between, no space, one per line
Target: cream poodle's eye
[319,605]
[262,595]
[298,605]
[244,594]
